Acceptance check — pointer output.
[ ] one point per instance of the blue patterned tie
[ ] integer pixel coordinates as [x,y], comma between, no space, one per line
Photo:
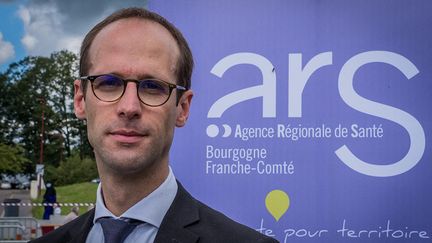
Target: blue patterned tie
[117,230]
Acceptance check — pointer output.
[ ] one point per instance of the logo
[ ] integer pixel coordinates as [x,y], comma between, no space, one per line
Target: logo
[297,80]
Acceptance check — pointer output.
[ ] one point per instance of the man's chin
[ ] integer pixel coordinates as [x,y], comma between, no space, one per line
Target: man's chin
[126,163]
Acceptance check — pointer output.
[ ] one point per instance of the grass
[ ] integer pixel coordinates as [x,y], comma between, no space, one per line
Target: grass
[76,193]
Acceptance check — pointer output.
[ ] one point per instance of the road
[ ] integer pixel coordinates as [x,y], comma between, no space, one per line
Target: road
[23,195]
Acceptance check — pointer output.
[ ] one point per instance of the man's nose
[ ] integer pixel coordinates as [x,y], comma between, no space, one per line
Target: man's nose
[129,106]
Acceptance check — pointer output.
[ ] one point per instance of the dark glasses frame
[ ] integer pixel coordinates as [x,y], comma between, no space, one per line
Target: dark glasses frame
[171,87]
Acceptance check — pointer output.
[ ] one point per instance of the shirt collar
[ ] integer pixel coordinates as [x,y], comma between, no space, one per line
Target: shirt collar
[150,209]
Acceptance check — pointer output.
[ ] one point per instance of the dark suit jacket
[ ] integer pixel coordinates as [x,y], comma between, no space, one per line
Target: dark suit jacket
[186,221]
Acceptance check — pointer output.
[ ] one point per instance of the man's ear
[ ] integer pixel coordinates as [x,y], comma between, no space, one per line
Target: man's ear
[183,108]
[79,100]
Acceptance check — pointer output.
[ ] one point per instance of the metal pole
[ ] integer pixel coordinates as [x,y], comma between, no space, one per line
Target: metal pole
[42,100]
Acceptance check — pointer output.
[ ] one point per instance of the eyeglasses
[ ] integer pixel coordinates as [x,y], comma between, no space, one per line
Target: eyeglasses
[152,92]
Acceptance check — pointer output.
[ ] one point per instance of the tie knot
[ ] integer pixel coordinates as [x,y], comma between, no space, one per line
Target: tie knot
[117,230]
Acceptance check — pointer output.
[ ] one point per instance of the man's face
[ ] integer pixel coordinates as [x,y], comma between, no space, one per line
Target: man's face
[128,136]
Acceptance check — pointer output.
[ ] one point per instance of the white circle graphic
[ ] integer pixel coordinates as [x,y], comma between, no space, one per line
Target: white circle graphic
[212,130]
[227,130]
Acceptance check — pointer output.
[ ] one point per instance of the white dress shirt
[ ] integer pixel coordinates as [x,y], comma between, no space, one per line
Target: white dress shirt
[150,210]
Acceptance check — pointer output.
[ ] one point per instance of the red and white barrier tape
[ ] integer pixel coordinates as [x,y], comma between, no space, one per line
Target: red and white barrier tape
[48,204]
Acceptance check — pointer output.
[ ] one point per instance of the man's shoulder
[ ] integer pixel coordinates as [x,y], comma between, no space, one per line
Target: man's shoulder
[207,223]
[216,224]
[72,230]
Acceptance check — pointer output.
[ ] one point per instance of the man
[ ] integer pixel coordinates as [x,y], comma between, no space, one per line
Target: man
[134,90]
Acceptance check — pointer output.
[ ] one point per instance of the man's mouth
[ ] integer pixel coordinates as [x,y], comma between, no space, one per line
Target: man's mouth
[126,136]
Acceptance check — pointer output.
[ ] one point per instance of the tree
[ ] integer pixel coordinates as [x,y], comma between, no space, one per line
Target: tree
[72,170]
[64,66]
[3,119]
[30,105]
[12,160]
[36,98]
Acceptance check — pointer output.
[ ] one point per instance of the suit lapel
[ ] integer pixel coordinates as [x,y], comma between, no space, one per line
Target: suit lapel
[183,212]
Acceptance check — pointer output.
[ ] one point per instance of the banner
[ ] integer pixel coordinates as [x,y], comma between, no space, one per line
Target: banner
[311,120]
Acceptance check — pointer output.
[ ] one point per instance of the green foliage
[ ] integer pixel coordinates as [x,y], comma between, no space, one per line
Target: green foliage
[37,92]
[76,193]
[72,170]
[12,160]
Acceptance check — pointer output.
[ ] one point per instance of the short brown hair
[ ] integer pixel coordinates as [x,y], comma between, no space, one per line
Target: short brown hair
[184,65]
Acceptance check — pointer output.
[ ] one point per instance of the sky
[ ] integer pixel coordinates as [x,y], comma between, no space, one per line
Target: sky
[41,27]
